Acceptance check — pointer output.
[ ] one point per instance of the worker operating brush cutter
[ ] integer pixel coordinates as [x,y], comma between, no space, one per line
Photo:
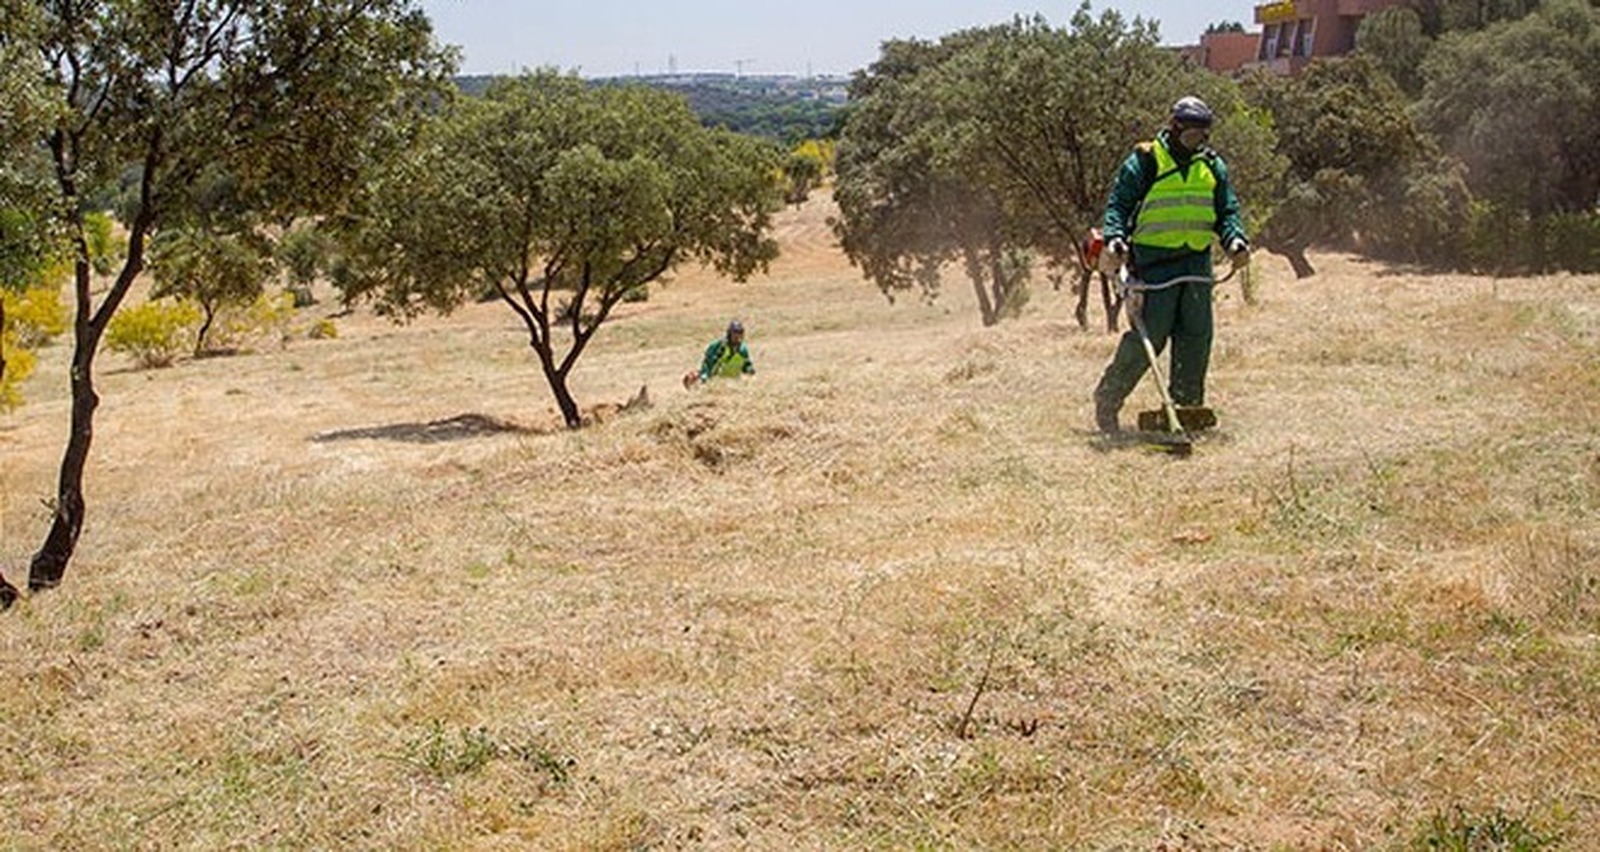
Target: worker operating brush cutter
[1171,200]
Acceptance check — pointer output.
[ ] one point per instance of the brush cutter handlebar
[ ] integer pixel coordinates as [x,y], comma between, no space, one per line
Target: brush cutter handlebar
[1130,284]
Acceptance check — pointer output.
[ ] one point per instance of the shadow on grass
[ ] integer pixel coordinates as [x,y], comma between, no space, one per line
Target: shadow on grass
[459,428]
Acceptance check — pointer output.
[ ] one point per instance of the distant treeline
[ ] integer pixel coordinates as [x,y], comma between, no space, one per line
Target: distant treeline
[752,106]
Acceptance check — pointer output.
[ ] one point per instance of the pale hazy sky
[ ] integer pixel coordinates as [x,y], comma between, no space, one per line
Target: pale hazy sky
[600,38]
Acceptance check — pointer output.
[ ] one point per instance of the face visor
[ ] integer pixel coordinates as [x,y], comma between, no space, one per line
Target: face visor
[1193,136]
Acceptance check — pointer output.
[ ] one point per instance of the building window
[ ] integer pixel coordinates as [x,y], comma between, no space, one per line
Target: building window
[1308,32]
[1269,41]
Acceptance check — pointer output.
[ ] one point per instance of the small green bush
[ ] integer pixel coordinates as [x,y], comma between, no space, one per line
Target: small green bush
[323,329]
[32,318]
[19,363]
[1509,243]
[264,321]
[153,334]
[36,315]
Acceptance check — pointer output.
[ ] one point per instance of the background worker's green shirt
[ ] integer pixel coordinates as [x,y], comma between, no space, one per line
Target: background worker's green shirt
[723,360]
[1134,179]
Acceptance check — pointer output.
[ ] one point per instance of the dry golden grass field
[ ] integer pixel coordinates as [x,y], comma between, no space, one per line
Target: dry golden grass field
[890,593]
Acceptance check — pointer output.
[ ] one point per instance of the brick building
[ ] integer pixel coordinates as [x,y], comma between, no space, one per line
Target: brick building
[1294,32]
[1224,53]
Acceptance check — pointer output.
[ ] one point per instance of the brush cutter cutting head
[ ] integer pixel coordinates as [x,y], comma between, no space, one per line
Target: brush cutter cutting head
[1192,419]
[1173,445]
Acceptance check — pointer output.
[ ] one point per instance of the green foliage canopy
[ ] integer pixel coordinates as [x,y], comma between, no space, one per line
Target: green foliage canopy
[25,228]
[1358,167]
[1394,39]
[1445,16]
[1519,104]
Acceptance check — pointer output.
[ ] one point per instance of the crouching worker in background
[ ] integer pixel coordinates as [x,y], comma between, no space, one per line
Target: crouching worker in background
[726,356]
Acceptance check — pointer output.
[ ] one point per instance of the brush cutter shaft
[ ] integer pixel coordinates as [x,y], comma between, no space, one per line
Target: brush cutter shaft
[1173,423]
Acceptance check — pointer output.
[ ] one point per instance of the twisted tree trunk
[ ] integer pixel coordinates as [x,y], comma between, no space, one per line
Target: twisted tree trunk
[8,592]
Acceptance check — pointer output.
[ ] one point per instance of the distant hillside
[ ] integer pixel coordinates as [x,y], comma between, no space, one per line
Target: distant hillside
[784,109]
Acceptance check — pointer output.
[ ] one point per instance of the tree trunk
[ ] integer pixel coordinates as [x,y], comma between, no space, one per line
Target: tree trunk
[8,592]
[557,379]
[1112,301]
[50,563]
[997,279]
[987,308]
[1299,262]
[1293,248]
[205,327]
[568,405]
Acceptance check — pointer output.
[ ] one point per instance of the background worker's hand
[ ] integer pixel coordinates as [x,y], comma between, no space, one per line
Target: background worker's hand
[1113,256]
[1133,305]
[1239,253]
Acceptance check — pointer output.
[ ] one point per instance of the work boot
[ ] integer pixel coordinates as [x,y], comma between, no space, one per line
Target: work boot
[1196,418]
[1105,415]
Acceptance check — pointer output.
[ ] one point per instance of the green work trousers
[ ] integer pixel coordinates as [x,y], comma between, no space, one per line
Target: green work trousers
[1181,313]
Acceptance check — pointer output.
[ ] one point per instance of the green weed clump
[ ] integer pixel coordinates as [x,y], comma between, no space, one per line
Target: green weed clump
[1460,831]
[441,755]
[323,329]
[153,334]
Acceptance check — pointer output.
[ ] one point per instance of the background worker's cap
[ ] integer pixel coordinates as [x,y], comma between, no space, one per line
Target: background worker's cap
[1192,111]
[736,326]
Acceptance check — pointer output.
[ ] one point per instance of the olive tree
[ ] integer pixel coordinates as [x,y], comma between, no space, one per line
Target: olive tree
[562,200]
[1360,172]
[289,99]
[214,270]
[1044,116]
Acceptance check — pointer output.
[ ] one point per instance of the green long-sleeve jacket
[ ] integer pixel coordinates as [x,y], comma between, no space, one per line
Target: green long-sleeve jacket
[1138,173]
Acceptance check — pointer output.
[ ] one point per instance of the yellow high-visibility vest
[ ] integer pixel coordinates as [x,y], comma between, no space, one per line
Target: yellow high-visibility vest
[730,362]
[1180,210]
